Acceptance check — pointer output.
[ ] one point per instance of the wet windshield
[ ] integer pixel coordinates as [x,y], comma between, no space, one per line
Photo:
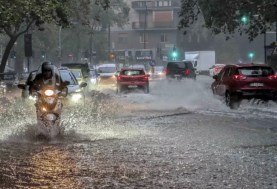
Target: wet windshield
[66,76]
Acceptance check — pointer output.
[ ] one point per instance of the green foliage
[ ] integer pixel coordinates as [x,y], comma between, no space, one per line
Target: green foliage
[224,16]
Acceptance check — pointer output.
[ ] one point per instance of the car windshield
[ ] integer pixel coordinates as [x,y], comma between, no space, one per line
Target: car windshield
[92,73]
[159,69]
[132,72]
[256,71]
[77,73]
[107,69]
[66,76]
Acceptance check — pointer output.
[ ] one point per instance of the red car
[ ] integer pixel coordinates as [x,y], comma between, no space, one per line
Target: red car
[132,77]
[245,81]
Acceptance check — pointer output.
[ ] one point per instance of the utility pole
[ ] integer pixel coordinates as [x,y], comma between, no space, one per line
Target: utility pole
[144,29]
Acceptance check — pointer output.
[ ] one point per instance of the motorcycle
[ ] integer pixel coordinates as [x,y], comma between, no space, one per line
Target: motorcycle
[49,109]
[48,102]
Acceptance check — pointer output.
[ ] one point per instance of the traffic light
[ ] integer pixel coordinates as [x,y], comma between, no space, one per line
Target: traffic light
[251,55]
[112,55]
[244,19]
[43,55]
[174,54]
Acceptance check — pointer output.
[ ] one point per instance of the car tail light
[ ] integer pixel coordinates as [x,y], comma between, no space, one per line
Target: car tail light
[118,77]
[271,77]
[216,69]
[187,72]
[166,71]
[239,77]
[145,78]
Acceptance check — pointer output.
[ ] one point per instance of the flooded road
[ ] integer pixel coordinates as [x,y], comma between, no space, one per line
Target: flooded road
[186,139]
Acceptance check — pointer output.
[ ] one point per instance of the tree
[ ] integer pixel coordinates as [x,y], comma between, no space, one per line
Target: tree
[228,17]
[18,16]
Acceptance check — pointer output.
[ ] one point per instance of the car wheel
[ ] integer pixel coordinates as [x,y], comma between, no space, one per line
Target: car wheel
[232,100]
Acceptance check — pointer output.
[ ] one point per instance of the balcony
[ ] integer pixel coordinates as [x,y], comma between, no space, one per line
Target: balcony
[154,26]
[155,5]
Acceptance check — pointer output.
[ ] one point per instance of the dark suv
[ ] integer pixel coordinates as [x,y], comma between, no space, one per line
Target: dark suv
[245,81]
[180,70]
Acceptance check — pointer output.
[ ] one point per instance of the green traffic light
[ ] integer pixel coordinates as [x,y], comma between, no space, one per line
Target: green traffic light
[251,55]
[244,19]
[174,54]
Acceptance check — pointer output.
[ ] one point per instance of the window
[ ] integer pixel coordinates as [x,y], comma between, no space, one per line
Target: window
[164,38]
[141,38]
[256,71]
[226,73]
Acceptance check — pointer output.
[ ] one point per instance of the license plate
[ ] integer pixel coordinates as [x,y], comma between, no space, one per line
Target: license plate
[176,75]
[256,84]
[132,86]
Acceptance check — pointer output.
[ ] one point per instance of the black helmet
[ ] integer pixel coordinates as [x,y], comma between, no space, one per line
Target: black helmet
[47,69]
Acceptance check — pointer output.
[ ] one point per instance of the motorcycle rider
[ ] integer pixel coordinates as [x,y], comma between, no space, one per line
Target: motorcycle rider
[46,76]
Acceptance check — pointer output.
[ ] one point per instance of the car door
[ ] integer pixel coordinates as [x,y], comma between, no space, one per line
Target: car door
[226,81]
[223,82]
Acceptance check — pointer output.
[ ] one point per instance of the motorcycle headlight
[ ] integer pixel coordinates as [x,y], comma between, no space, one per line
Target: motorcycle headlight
[48,92]
[34,98]
[76,97]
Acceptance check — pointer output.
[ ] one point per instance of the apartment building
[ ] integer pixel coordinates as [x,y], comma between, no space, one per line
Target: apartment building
[150,34]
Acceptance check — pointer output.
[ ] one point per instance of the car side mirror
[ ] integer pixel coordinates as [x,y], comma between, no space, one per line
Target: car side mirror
[215,77]
[84,84]
[21,86]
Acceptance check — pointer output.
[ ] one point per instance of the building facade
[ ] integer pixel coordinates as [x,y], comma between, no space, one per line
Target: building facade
[151,33]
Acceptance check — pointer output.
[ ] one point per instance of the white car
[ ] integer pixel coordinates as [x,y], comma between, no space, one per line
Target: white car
[106,74]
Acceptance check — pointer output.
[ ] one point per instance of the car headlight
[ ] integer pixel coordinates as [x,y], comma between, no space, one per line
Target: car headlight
[78,90]
[76,97]
[93,80]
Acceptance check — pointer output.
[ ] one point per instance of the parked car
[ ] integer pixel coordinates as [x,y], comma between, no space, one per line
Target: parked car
[106,74]
[10,79]
[180,70]
[130,78]
[245,81]
[215,69]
